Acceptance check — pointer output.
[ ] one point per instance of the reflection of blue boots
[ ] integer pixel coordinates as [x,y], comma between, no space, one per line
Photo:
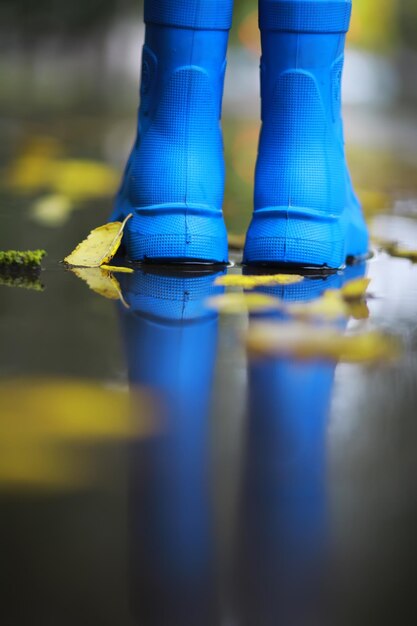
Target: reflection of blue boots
[305,209]
[283,520]
[170,341]
[174,180]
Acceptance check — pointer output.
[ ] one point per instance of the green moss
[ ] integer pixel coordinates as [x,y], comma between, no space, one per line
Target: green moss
[18,258]
[26,282]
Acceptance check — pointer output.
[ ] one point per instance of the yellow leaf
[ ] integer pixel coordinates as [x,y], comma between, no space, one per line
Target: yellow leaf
[236,242]
[402,253]
[355,289]
[304,341]
[82,179]
[236,303]
[41,167]
[358,309]
[100,246]
[51,431]
[250,282]
[373,201]
[330,306]
[100,281]
[117,268]
[393,248]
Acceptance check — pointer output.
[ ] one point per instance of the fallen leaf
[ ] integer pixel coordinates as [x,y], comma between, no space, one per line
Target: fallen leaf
[395,249]
[52,431]
[41,167]
[99,247]
[101,282]
[236,242]
[355,289]
[373,201]
[402,253]
[250,282]
[358,309]
[304,341]
[117,268]
[331,306]
[80,179]
[236,303]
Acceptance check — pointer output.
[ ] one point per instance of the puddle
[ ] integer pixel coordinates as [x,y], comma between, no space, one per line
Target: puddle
[153,471]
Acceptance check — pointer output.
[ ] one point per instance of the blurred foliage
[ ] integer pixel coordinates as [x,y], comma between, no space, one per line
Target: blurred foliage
[375,24]
[46,426]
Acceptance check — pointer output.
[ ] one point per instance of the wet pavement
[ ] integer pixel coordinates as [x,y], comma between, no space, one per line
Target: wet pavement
[152,471]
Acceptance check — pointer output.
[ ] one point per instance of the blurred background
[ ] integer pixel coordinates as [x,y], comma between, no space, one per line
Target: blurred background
[69,94]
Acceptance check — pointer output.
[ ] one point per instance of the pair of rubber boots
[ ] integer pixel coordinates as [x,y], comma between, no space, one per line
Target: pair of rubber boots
[306,211]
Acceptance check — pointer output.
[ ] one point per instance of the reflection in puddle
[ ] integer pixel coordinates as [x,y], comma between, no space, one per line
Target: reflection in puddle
[171,341]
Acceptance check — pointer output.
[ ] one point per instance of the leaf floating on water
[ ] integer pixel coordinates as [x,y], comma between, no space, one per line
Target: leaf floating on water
[331,306]
[358,309]
[117,268]
[250,282]
[402,253]
[306,342]
[393,248]
[99,247]
[21,259]
[101,281]
[236,242]
[236,303]
[355,289]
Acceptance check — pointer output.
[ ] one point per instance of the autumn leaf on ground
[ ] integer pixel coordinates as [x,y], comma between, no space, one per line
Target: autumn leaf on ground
[236,242]
[395,249]
[101,281]
[399,252]
[331,306]
[250,282]
[99,247]
[117,268]
[304,341]
[358,309]
[355,289]
[236,303]
[49,427]
[42,167]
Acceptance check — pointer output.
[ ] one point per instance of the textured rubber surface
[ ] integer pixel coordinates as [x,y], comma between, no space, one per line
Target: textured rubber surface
[170,298]
[305,16]
[174,180]
[306,212]
[201,14]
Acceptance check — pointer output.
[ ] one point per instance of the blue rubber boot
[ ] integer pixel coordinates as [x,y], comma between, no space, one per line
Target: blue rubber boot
[306,212]
[174,179]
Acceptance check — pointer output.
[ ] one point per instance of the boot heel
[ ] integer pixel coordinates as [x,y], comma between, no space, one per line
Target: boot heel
[300,238]
[177,235]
